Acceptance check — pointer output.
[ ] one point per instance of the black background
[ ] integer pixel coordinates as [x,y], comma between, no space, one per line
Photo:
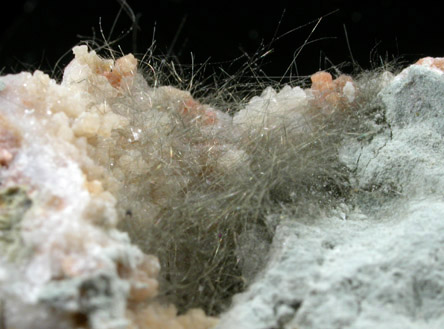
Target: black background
[37,33]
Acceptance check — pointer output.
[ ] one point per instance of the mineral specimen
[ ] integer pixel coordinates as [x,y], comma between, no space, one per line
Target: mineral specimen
[101,170]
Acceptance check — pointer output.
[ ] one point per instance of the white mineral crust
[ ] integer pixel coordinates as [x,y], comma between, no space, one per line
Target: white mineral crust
[60,253]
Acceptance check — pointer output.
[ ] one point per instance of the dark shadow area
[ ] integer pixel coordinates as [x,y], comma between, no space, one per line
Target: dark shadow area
[38,33]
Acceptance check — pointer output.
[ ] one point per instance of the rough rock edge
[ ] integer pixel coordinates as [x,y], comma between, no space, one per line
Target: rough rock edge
[63,264]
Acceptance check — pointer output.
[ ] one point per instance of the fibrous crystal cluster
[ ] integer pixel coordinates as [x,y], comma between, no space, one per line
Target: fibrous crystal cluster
[102,170]
[375,262]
